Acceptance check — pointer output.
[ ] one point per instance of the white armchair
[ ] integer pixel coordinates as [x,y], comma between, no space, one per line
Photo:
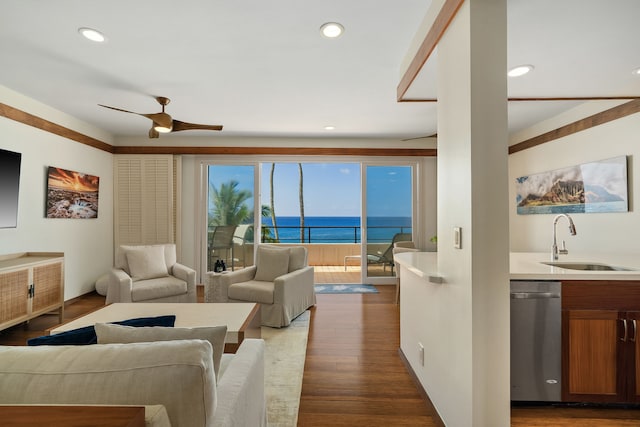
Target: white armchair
[150,274]
[281,281]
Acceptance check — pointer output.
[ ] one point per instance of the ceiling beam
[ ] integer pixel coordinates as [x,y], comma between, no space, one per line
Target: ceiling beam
[45,125]
[548,98]
[282,151]
[436,31]
[602,117]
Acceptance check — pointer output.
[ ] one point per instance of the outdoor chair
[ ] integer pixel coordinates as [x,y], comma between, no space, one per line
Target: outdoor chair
[221,239]
[385,257]
[281,281]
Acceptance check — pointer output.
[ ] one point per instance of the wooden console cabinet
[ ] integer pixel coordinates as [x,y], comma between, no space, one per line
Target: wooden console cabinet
[600,341]
[31,284]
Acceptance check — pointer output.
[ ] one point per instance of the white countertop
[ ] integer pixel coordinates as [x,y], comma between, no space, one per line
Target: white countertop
[528,266]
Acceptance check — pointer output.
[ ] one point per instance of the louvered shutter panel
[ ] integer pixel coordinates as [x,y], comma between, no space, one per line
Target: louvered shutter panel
[143,211]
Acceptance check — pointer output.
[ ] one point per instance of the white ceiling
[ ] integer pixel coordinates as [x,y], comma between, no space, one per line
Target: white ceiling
[261,68]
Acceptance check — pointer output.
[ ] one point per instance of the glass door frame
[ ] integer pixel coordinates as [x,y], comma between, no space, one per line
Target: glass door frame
[416,224]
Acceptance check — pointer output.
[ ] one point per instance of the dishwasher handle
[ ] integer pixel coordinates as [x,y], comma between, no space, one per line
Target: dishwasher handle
[534,295]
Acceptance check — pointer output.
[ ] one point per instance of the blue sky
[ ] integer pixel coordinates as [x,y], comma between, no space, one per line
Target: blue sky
[330,189]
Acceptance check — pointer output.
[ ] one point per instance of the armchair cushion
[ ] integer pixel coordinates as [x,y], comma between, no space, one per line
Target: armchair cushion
[116,334]
[297,258]
[252,290]
[147,262]
[271,263]
[157,288]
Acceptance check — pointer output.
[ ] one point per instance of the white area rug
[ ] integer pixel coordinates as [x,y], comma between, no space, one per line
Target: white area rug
[286,349]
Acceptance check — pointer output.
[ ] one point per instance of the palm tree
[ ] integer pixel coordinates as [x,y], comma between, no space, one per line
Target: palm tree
[228,202]
[301,198]
[273,208]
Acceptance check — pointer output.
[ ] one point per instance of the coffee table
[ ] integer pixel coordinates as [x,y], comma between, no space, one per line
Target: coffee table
[242,319]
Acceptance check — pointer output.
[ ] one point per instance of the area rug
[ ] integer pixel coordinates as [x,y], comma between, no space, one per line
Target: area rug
[286,349]
[354,288]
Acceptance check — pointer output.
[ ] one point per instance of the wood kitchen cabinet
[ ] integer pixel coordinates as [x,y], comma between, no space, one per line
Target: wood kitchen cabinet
[31,284]
[600,350]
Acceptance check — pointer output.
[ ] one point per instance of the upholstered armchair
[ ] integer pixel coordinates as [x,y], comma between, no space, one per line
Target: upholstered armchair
[281,281]
[150,274]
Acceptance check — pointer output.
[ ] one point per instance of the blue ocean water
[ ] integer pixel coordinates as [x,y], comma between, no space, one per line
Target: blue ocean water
[337,229]
[575,208]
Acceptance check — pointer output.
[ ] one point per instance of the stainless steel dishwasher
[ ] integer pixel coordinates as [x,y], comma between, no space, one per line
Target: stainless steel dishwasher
[536,341]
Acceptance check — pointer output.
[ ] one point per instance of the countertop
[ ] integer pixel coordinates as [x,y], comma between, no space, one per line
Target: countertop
[528,266]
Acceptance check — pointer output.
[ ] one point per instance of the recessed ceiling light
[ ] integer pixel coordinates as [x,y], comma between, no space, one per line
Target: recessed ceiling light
[636,71]
[520,70]
[329,127]
[331,30]
[91,34]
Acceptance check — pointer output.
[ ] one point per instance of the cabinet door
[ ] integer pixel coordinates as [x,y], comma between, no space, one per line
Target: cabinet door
[592,356]
[47,281]
[14,289]
[633,361]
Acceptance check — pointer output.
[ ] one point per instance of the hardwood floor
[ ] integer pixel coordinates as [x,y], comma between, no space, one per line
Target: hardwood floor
[353,373]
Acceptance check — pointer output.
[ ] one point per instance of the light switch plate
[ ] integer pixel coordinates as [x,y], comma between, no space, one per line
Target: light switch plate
[457,237]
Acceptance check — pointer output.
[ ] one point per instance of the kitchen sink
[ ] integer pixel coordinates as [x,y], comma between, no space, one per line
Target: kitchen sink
[587,266]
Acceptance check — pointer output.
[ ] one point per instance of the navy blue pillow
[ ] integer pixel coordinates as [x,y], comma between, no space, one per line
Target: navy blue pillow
[87,335]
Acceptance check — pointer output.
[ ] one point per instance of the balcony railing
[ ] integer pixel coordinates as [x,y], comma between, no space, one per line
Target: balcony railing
[335,234]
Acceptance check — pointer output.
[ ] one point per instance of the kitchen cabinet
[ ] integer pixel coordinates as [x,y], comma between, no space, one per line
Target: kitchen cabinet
[600,350]
[31,284]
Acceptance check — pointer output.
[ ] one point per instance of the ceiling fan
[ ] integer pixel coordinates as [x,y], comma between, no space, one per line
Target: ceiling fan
[163,123]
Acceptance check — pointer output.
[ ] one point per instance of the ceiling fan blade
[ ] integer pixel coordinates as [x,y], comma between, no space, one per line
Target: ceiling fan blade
[120,109]
[178,126]
[435,135]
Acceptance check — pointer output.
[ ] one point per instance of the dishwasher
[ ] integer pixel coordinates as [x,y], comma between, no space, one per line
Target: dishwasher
[536,340]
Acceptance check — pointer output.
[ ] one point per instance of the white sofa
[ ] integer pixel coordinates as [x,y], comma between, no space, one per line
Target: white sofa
[178,375]
[150,273]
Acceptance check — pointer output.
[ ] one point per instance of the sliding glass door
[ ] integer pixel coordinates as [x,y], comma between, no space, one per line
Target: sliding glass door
[387,217]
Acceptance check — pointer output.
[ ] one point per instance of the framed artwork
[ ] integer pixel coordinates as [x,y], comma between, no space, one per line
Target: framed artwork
[599,186]
[71,194]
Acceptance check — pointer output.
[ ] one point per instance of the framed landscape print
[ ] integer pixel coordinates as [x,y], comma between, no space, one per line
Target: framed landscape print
[71,194]
[591,187]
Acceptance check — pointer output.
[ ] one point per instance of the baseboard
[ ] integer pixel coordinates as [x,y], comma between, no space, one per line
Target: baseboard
[423,393]
[79,297]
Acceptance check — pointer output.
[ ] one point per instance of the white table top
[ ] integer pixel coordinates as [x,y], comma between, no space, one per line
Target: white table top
[188,315]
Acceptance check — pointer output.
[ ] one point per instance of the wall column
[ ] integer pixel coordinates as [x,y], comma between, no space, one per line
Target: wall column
[472,195]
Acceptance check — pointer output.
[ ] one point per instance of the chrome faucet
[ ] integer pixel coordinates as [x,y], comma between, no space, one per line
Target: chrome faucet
[572,229]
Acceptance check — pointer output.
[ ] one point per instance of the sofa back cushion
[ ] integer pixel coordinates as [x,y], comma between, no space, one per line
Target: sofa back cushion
[297,258]
[122,263]
[176,374]
[109,333]
[271,262]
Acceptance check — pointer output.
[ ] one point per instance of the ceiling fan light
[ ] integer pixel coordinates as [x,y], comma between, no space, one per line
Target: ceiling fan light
[520,70]
[161,129]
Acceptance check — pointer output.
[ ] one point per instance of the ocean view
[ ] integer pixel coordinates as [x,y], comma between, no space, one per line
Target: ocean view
[338,229]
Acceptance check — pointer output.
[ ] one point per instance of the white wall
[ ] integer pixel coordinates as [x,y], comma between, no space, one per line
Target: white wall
[596,232]
[87,244]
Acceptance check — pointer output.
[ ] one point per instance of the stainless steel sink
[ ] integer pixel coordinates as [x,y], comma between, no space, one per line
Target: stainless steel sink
[587,266]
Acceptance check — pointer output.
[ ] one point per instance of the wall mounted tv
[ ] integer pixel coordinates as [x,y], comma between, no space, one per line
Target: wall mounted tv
[9,188]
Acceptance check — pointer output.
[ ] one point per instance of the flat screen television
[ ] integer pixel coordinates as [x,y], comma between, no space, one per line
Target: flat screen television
[9,188]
